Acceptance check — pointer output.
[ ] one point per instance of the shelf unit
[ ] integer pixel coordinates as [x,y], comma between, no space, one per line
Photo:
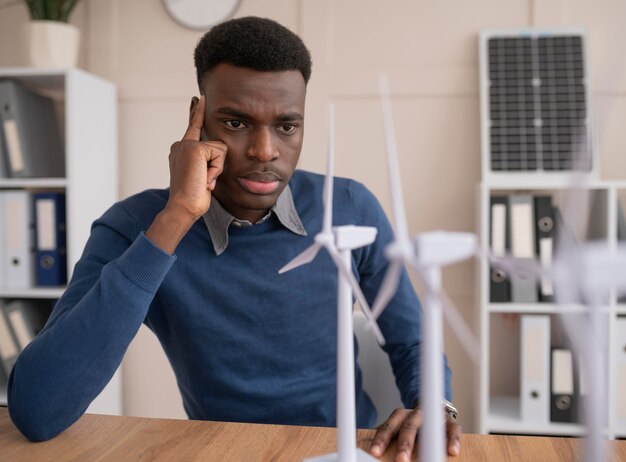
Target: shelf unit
[499,410]
[86,107]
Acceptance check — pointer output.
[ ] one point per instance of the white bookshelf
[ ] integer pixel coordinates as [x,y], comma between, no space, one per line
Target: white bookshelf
[504,415]
[500,412]
[87,110]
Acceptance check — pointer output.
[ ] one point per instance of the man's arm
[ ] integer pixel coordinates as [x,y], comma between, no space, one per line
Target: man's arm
[58,375]
[69,363]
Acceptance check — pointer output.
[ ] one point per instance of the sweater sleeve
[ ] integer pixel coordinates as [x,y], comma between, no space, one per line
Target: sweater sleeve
[400,322]
[70,362]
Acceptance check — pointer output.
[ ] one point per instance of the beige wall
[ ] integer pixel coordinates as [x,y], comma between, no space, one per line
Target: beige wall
[429,50]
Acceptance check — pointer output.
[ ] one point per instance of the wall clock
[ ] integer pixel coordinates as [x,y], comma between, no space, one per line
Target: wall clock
[200,14]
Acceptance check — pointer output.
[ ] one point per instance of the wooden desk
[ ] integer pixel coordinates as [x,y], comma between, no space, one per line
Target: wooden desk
[111,438]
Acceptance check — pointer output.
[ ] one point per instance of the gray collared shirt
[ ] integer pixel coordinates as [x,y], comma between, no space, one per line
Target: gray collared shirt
[218,220]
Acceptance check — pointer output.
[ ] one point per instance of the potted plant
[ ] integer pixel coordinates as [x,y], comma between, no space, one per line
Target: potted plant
[48,39]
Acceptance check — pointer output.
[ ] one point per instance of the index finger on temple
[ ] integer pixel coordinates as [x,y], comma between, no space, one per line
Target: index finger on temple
[194,129]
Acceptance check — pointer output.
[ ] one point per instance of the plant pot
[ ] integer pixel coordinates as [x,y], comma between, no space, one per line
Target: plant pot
[50,44]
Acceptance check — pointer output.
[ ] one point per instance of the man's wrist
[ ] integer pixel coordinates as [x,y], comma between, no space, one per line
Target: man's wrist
[169,227]
[450,409]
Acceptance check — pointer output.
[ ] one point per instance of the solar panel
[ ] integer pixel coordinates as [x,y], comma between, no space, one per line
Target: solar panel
[537,103]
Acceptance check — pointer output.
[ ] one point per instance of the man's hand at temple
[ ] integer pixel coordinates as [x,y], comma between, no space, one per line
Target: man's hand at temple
[404,424]
[194,167]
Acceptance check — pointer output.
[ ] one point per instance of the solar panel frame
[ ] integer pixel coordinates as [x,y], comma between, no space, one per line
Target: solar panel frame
[535,110]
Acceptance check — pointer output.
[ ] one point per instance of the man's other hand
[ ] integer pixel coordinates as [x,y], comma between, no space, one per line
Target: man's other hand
[405,424]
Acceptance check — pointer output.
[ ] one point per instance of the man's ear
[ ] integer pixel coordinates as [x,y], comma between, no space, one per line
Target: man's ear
[192,107]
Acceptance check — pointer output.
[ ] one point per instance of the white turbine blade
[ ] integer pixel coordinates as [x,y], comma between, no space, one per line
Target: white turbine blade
[388,288]
[356,290]
[303,258]
[455,320]
[460,328]
[511,265]
[328,181]
[392,161]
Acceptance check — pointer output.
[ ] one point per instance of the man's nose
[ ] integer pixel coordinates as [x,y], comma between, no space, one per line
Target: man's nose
[262,146]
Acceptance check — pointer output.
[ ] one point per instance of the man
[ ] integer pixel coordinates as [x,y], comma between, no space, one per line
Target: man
[245,343]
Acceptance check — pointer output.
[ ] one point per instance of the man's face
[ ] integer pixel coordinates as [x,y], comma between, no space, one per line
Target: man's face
[260,117]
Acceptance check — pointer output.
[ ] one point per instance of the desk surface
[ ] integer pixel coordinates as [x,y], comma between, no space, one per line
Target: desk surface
[112,438]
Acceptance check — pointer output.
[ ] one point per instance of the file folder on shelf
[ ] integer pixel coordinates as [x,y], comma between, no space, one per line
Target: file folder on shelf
[3,241]
[535,369]
[544,226]
[562,393]
[499,284]
[50,239]
[9,349]
[620,372]
[26,318]
[4,168]
[16,221]
[522,231]
[582,388]
[621,236]
[32,143]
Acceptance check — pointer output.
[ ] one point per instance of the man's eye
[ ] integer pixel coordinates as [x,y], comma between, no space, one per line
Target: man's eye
[236,124]
[287,128]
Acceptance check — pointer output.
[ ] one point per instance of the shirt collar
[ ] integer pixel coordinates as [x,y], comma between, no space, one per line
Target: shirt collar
[218,220]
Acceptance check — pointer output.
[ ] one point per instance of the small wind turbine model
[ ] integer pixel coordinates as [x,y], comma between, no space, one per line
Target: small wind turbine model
[339,243]
[427,253]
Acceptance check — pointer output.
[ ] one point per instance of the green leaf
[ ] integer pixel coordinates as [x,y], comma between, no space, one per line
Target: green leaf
[52,10]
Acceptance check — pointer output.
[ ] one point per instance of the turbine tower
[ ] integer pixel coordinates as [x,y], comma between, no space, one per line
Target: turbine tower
[426,254]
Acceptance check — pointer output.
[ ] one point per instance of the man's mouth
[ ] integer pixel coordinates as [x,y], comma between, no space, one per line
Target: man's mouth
[260,182]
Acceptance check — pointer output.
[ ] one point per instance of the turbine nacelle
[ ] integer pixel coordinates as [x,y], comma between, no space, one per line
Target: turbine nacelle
[399,250]
[350,237]
[441,248]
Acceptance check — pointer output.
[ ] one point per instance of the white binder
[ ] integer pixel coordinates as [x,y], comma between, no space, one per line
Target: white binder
[522,228]
[535,369]
[17,223]
[9,349]
[3,251]
[620,373]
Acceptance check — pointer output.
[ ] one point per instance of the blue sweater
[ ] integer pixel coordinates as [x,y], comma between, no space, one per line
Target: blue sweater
[245,343]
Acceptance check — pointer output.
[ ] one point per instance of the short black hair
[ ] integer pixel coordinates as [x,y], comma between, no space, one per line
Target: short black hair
[256,43]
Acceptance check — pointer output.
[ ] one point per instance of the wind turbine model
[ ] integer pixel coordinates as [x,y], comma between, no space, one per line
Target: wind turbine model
[426,254]
[339,243]
[599,270]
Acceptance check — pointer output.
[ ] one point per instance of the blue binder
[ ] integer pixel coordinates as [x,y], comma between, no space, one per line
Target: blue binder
[50,239]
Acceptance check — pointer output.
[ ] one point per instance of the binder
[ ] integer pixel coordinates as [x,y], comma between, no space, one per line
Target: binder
[3,242]
[562,395]
[583,389]
[17,222]
[535,364]
[499,285]
[621,237]
[621,222]
[30,132]
[522,229]
[620,372]
[544,229]
[9,349]
[26,318]
[597,224]
[50,239]
[4,168]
